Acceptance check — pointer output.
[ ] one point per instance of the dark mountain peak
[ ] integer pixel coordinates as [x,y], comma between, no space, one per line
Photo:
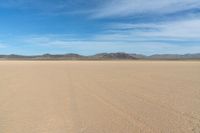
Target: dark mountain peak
[118,55]
[73,55]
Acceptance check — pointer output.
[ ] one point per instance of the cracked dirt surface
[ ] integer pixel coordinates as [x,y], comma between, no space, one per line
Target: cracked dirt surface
[99,96]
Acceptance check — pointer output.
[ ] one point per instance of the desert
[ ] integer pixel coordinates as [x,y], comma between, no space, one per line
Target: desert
[99,96]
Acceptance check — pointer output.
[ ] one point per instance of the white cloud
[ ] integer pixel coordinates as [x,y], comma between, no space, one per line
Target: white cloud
[116,8]
[117,42]
[103,8]
[180,29]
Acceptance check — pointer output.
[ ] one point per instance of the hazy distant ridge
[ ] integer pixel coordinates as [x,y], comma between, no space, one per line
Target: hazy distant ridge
[103,56]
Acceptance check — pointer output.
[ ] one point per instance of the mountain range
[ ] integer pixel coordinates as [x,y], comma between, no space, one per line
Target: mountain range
[103,56]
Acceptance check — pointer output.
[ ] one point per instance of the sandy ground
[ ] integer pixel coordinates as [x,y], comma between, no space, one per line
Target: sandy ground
[99,97]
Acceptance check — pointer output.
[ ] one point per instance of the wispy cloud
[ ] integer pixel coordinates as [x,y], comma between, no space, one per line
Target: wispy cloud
[184,29]
[105,8]
[120,8]
[113,42]
[114,25]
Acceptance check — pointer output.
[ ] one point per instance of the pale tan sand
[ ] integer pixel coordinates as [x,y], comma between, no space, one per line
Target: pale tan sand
[99,97]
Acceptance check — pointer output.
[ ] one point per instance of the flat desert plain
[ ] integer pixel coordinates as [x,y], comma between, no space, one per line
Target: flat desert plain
[99,96]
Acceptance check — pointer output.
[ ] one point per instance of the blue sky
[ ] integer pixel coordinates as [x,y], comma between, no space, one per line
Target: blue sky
[93,26]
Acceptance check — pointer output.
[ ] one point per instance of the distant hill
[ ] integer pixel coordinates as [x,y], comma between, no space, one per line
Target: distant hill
[114,56]
[103,56]
[174,56]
